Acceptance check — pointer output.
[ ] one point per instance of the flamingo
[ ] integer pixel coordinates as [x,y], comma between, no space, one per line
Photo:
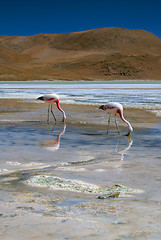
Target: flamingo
[114,108]
[51,98]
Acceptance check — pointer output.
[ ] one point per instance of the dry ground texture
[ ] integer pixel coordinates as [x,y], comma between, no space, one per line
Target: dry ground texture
[86,115]
[99,54]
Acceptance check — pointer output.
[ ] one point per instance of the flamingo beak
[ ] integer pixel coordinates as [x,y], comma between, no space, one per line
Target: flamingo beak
[101,107]
[128,134]
[40,98]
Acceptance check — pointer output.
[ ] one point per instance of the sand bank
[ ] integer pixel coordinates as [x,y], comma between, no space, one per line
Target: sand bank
[25,110]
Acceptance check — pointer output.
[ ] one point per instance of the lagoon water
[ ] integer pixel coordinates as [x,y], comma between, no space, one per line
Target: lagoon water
[79,152]
[125,92]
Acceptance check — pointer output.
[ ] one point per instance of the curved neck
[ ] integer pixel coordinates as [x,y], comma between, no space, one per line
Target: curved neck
[60,109]
[124,120]
[61,133]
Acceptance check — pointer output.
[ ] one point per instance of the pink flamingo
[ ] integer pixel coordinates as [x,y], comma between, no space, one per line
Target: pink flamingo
[51,98]
[114,108]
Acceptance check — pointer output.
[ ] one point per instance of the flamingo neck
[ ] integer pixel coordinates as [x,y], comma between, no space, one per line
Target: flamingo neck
[60,109]
[61,133]
[124,120]
[58,139]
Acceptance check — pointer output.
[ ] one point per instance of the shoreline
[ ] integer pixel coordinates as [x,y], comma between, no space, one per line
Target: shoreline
[82,80]
[83,114]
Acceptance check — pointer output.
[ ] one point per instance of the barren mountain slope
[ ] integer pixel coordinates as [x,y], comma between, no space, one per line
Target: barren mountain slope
[107,53]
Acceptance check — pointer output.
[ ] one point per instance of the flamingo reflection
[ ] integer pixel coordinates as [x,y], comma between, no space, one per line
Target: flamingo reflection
[122,152]
[52,144]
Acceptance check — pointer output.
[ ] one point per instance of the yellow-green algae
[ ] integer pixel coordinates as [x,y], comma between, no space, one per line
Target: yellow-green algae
[58,183]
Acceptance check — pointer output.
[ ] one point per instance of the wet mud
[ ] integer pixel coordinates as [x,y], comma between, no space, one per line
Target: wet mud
[73,181]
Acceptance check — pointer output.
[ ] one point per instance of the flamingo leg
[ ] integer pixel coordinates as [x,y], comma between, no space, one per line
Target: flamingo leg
[116,124]
[48,113]
[52,129]
[109,118]
[117,144]
[50,132]
[53,113]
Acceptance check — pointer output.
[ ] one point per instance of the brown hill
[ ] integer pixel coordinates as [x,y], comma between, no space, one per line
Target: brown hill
[106,53]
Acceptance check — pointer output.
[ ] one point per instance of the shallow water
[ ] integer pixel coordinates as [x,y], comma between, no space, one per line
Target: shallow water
[136,93]
[86,154]
[83,154]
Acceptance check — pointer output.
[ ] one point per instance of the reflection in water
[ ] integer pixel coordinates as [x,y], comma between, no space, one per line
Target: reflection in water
[43,213]
[109,156]
[125,149]
[122,152]
[52,144]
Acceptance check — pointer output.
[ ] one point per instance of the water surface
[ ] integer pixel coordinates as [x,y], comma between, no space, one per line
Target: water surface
[81,153]
[138,93]
[30,147]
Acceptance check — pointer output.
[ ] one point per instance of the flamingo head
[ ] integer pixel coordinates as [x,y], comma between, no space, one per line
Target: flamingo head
[64,118]
[129,132]
[101,107]
[40,98]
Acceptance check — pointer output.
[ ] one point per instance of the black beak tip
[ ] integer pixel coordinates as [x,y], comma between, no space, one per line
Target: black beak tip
[101,107]
[40,98]
[128,134]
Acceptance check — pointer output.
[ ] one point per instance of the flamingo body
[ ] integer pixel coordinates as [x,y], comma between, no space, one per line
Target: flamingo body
[114,108]
[52,98]
[49,98]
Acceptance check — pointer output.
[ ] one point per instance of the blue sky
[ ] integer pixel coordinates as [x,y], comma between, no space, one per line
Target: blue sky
[26,18]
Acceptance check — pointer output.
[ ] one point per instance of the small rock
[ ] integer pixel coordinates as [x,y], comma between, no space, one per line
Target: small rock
[110,195]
